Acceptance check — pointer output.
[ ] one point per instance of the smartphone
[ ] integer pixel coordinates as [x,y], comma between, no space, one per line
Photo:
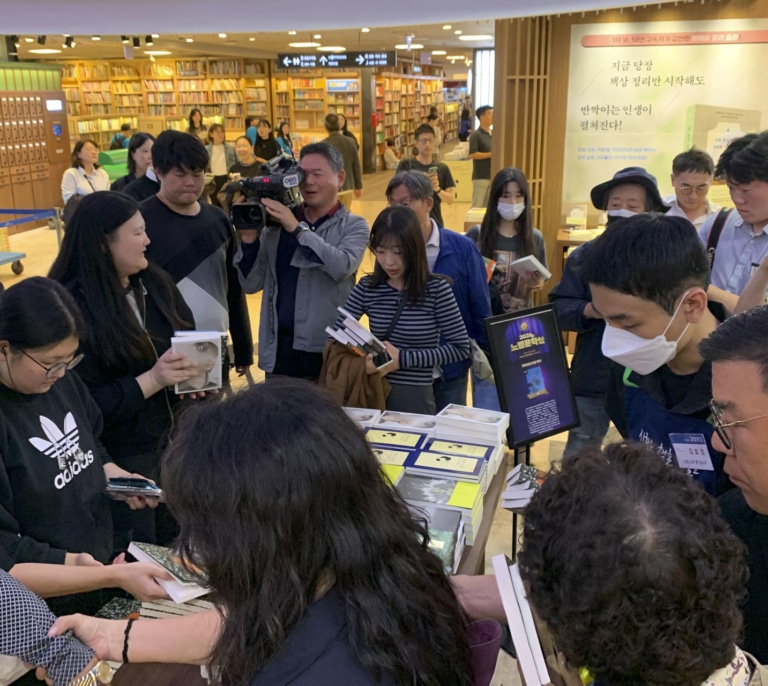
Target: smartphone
[381,359]
[121,488]
[432,170]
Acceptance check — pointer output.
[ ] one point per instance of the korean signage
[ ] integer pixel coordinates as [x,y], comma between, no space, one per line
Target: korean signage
[348,60]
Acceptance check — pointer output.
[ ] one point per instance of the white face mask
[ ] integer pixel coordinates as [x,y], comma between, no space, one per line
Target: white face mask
[642,355]
[620,214]
[510,212]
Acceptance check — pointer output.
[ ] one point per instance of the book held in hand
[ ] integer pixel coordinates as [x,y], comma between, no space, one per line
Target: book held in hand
[184,586]
[355,337]
[530,264]
[206,349]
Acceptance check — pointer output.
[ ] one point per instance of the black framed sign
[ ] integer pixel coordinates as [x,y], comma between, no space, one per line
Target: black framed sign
[531,373]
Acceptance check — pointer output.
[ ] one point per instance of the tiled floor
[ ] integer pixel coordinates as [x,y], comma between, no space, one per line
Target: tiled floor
[40,246]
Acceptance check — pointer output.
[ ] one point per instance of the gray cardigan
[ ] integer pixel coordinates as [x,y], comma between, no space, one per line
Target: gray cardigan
[328,259]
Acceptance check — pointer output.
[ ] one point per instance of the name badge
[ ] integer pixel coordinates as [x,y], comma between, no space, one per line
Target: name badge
[691,451]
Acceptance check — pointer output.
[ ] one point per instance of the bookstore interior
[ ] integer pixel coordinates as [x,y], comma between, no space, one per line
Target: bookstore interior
[579,89]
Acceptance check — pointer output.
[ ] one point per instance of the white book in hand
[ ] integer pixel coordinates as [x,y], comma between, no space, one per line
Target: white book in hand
[529,263]
[180,588]
[206,349]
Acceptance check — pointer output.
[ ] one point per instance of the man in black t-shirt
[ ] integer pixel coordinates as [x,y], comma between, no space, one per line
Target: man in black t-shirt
[738,353]
[480,154]
[443,185]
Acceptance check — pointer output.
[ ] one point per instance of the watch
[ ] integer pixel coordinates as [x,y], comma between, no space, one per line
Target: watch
[301,228]
[101,673]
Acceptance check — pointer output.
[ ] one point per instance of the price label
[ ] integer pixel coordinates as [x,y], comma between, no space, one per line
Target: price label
[691,451]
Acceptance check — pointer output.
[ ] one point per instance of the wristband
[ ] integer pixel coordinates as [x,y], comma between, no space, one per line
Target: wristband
[125,640]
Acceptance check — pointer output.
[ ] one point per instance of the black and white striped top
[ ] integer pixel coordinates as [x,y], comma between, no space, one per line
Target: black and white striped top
[417,334]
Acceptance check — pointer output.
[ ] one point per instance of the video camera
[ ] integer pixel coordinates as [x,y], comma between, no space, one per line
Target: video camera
[279,180]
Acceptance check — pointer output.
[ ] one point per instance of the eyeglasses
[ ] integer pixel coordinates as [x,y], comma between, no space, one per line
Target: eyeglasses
[54,369]
[425,140]
[685,189]
[720,426]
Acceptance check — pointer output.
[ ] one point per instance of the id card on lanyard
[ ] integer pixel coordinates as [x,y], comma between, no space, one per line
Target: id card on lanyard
[691,452]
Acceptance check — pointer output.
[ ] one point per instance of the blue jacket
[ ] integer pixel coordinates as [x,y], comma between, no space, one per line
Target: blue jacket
[460,260]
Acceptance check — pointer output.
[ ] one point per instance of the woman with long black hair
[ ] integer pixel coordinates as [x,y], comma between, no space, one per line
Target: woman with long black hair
[131,309]
[139,160]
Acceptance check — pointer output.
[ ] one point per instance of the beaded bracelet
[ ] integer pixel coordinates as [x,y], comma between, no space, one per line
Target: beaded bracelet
[125,640]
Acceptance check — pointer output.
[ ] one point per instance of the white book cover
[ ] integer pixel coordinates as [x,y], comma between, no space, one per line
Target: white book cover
[501,568]
[358,330]
[179,591]
[481,420]
[363,416]
[530,626]
[206,349]
[530,264]
[407,421]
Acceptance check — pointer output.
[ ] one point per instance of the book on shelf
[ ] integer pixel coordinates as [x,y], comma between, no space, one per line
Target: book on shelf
[207,350]
[184,585]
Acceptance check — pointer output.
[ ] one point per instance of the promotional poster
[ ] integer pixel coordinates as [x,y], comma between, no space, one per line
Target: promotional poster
[532,374]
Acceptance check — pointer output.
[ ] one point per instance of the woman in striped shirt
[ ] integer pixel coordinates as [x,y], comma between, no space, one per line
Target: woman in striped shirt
[429,331]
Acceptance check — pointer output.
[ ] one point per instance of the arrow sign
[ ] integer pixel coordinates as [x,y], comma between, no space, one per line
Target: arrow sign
[360,59]
[287,61]
[349,59]
[323,60]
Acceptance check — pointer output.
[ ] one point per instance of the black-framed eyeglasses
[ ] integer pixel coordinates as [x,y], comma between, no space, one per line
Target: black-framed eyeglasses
[720,426]
[54,369]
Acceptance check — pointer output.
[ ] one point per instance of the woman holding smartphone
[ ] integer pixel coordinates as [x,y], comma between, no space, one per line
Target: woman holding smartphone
[410,308]
[53,467]
[131,309]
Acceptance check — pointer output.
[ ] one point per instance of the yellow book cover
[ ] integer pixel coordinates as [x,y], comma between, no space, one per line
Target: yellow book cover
[464,495]
[458,448]
[399,438]
[392,473]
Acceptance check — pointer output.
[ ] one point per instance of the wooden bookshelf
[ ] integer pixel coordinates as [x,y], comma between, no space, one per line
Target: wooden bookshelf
[451,118]
[101,96]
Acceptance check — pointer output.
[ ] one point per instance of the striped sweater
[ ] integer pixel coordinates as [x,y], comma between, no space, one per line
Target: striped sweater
[417,333]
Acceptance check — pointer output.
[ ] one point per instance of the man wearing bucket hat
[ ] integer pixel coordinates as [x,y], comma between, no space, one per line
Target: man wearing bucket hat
[630,191]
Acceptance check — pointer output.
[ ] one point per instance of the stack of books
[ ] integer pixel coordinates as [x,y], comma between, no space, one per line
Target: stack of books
[364,418]
[406,421]
[446,533]
[471,424]
[184,585]
[522,483]
[355,337]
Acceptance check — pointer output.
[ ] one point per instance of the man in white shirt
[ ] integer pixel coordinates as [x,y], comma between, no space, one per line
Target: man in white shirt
[692,172]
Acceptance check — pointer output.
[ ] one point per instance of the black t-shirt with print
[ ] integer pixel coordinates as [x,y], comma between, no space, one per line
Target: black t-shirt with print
[444,177]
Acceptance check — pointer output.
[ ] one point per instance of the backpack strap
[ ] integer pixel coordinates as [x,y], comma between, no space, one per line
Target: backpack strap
[714,235]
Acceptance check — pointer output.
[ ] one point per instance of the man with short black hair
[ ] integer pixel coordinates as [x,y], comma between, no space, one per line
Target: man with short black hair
[628,192]
[195,242]
[738,353]
[439,173]
[692,172]
[480,154]
[348,149]
[648,276]
[738,244]
[122,139]
[306,268]
[458,258]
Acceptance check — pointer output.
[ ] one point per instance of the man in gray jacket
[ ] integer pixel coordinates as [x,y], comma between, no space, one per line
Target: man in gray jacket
[306,268]
[346,146]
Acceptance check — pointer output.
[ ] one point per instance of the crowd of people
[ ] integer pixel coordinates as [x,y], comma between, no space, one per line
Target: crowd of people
[647,566]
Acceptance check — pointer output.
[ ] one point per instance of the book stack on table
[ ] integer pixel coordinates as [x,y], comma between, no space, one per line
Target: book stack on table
[522,483]
[471,424]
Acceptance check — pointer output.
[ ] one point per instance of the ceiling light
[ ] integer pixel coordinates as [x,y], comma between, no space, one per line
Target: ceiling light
[95,37]
[125,40]
[136,42]
[222,35]
[291,33]
[41,40]
[148,40]
[251,39]
[155,35]
[317,36]
[304,44]
[189,40]
[447,27]
[439,52]
[332,48]
[458,32]
[157,52]
[479,36]
[365,29]
[29,40]
[412,46]
[45,51]
[455,57]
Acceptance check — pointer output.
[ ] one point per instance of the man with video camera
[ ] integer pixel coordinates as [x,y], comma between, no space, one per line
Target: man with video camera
[305,262]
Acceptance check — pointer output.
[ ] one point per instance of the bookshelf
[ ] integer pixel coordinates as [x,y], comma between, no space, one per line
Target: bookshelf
[451,117]
[101,96]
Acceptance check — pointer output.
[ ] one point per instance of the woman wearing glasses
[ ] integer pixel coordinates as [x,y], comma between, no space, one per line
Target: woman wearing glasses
[131,310]
[53,467]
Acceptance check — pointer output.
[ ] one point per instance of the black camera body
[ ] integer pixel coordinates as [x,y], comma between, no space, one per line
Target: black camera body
[279,181]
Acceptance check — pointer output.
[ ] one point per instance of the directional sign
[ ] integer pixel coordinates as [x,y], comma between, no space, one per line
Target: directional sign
[387,58]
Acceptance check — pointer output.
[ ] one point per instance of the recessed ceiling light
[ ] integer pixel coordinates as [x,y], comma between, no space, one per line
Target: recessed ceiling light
[29,40]
[222,35]
[45,51]
[458,32]
[157,52]
[455,57]
[447,27]
[251,39]
[317,36]
[189,40]
[148,40]
[479,36]
[304,44]
[412,46]
[365,29]
[125,40]
[291,33]
[331,48]
[439,52]
[95,37]
[155,35]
